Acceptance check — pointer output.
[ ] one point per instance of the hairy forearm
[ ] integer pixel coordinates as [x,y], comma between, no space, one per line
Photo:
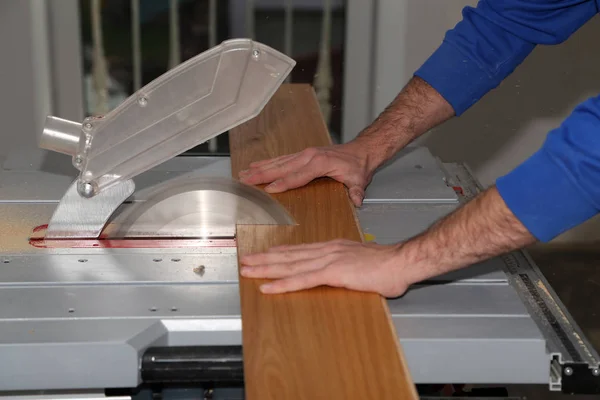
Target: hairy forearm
[417,109]
[481,229]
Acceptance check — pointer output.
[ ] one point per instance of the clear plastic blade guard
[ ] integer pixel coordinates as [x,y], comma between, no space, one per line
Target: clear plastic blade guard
[192,103]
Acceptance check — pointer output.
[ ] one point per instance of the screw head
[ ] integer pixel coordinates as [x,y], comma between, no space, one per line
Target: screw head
[86,189]
[255,53]
[78,160]
[568,371]
[596,372]
[200,270]
[143,101]
[87,126]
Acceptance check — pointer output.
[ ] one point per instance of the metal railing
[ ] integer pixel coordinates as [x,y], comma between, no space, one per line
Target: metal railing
[322,80]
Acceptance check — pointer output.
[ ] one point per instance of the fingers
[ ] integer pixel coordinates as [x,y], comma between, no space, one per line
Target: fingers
[257,164]
[284,254]
[298,247]
[286,261]
[272,171]
[294,179]
[302,281]
[284,269]
[296,170]
[280,256]
[260,166]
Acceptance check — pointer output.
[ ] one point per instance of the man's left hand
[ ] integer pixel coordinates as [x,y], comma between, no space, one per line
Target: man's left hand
[339,263]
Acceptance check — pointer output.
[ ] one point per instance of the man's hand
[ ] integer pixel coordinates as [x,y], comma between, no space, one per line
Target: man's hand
[339,263]
[481,229]
[388,270]
[415,110]
[345,163]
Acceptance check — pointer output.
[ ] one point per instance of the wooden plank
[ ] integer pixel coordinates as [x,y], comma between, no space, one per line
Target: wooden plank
[323,343]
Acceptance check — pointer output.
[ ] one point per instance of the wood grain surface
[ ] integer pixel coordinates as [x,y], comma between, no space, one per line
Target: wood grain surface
[322,343]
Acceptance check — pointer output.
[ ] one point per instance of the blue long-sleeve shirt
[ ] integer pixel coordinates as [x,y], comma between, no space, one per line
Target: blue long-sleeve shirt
[558,187]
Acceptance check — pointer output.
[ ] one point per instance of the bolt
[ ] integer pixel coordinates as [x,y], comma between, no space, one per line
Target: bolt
[78,160]
[85,189]
[142,101]
[255,53]
[596,372]
[200,270]
[568,371]
[87,126]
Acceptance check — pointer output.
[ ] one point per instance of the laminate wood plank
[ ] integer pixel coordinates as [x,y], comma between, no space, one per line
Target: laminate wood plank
[323,343]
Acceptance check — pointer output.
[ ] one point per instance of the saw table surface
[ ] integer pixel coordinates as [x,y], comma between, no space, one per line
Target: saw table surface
[103,307]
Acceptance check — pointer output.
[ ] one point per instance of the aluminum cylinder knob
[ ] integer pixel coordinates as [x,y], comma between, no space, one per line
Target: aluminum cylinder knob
[60,135]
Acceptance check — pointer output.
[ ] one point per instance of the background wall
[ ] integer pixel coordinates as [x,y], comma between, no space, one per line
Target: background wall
[24,73]
[40,46]
[511,122]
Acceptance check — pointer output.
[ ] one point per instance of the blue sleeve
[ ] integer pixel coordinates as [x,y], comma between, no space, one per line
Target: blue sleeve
[558,187]
[493,39]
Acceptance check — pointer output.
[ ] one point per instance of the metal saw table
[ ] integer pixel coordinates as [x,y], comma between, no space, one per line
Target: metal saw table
[97,318]
[154,310]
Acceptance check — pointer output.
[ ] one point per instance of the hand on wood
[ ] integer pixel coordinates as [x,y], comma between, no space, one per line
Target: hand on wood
[339,263]
[345,163]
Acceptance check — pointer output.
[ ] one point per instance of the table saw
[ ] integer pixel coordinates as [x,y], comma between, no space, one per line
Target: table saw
[118,268]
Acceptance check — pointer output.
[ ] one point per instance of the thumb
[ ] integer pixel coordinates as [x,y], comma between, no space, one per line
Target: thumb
[357,194]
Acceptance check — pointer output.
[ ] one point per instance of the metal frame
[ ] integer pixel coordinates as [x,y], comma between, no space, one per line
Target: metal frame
[574,363]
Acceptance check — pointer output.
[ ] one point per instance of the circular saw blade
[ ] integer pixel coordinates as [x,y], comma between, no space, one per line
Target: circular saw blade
[196,207]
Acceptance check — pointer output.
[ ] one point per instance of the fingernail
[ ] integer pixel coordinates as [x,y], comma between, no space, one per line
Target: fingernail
[271,186]
[244,172]
[246,178]
[266,288]
[245,270]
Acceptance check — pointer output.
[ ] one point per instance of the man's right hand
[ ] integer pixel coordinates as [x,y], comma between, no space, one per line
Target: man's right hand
[346,163]
[418,108]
